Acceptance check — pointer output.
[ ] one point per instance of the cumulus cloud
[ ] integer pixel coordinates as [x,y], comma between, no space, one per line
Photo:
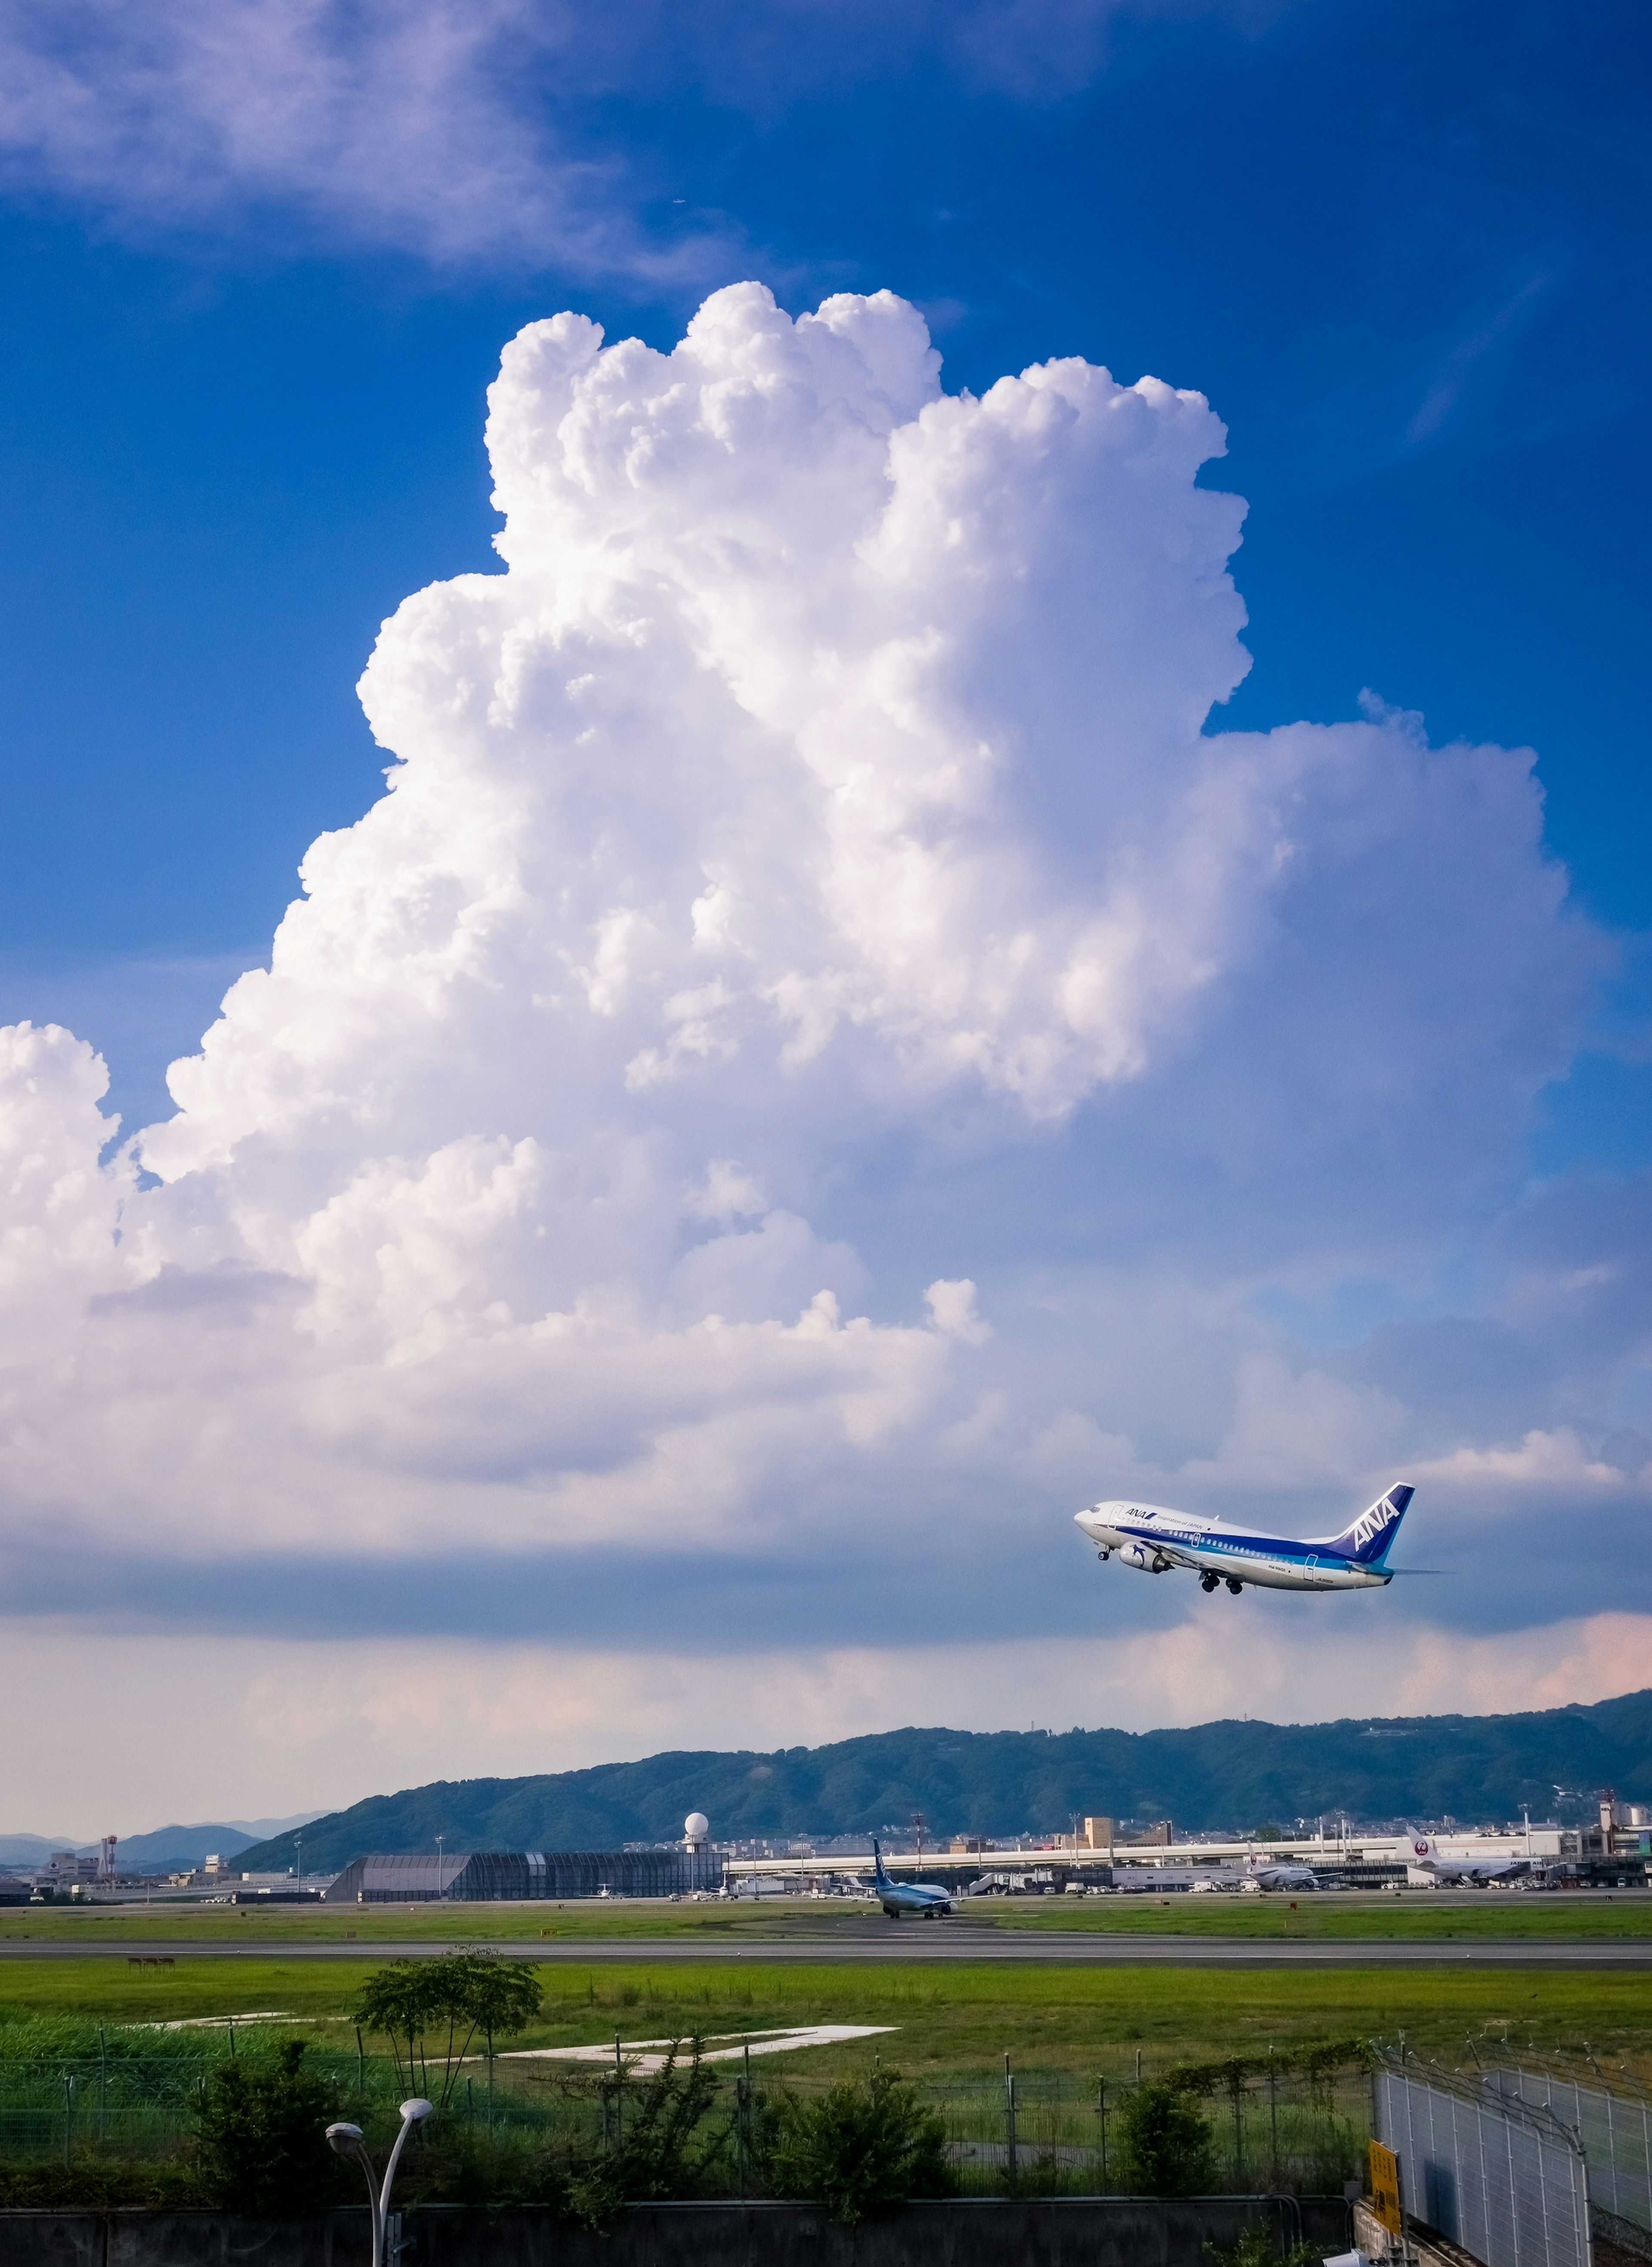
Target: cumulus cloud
[460,133]
[820,1062]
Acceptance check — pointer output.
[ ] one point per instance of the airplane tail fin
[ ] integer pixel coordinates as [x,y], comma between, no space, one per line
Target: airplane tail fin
[1368,1540]
[1422,1846]
[878,1873]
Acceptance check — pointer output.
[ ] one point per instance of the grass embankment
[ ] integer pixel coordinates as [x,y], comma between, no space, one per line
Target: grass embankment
[955,2020]
[1423,1915]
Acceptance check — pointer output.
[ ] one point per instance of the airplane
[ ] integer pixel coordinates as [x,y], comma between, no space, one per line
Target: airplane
[1279,1877]
[1152,1540]
[896,1898]
[1424,1853]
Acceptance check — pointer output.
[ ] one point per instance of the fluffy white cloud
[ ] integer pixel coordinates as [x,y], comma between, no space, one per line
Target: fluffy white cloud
[819,1061]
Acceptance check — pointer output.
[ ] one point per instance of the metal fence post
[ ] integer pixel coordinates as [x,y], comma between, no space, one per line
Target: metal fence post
[1010,2163]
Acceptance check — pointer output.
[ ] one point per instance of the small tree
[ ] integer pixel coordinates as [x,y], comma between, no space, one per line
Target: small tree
[262,2127]
[864,2146]
[450,1997]
[1167,2145]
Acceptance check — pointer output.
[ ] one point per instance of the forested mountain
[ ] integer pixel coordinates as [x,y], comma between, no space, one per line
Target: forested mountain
[1236,1774]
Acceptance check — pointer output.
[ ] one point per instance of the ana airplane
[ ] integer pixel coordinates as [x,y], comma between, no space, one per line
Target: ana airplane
[896,1898]
[1425,1853]
[1153,1540]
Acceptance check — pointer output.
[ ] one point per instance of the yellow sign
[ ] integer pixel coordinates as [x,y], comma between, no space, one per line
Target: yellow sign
[1384,2188]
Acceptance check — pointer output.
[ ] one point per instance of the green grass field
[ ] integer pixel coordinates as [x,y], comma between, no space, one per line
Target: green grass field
[958,2019]
[1427,1915]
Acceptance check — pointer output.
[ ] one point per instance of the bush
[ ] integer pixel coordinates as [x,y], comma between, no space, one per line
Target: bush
[1167,2149]
[1258,2247]
[263,2135]
[863,2147]
[662,2150]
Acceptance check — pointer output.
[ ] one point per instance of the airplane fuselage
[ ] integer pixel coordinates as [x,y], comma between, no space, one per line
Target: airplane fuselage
[1153,1540]
[924,1898]
[927,1899]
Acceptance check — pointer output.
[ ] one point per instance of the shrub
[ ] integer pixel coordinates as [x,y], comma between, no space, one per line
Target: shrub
[1167,2149]
[662,2150]
[1259,2246]
[863,2147]
[262,2126]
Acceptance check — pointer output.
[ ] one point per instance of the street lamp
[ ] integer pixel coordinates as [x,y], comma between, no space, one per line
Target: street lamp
[346,2141]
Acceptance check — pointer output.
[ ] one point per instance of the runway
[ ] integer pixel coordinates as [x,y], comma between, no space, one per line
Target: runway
[911,1944]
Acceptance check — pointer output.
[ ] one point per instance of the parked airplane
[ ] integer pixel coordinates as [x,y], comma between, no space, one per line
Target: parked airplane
[1280,1876]
[1153,1540]
[896,1898]
[1425,1853]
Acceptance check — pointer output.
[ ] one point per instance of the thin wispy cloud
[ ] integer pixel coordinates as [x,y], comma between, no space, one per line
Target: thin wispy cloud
[463,133]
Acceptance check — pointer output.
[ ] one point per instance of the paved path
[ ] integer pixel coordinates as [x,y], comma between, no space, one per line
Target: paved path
[919,1943]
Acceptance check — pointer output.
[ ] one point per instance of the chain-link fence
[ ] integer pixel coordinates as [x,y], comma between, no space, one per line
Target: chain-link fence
[1031,2131]
[1614,2128]
[1501,2176]
[121,2104]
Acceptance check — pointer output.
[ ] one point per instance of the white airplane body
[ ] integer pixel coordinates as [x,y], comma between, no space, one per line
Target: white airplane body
[1280,1876]
[1152,1540]
[926,1899]
[1425,1853]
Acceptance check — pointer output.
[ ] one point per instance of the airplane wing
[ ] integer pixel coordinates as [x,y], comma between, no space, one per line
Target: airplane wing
[1177,1558]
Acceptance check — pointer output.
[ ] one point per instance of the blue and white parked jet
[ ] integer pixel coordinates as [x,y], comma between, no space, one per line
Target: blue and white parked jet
[1152,1540]
[896,1898]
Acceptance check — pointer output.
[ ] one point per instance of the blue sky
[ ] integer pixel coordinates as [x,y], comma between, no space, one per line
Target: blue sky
[1400,250]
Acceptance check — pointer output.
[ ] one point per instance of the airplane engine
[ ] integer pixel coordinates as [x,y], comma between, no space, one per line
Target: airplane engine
[1143,1557]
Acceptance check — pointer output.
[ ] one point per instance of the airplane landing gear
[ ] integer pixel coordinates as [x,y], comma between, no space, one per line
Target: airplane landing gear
[1235,1586]
[1208,1582]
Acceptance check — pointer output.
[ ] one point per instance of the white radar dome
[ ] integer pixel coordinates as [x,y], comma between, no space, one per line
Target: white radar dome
[696,1826]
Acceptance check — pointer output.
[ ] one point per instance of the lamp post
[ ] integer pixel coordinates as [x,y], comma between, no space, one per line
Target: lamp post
[346,2141]
[300,1840]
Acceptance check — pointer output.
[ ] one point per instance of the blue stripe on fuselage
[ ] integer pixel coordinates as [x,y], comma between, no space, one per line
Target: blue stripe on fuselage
[1249,1546]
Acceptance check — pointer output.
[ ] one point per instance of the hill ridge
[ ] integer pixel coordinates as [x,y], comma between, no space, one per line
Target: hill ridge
[1471,1768]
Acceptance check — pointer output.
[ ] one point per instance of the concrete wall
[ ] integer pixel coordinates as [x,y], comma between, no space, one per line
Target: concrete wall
[1044,2231]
